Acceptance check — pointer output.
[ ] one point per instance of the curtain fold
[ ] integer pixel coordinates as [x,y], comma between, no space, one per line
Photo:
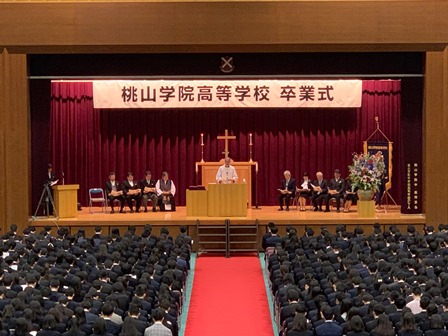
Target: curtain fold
[87,143]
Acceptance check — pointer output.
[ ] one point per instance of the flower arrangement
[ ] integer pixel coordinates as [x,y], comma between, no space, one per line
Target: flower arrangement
[366,171]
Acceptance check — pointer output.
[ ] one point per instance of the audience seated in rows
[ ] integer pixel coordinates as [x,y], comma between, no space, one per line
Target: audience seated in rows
[62,284]
[349,283]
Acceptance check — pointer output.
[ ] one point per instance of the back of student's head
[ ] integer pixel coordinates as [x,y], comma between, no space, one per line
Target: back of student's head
[274,230]
[356,324]
[400,302]
[299,323]
[378,309]
[417,290]
[437,322]
[158,314]
[99,326]
[424,302]
[327,312]
[22,327]
[408,322]
[49,322]
[107,309]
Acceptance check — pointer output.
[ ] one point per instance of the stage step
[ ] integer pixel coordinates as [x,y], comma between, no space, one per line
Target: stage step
[240,237]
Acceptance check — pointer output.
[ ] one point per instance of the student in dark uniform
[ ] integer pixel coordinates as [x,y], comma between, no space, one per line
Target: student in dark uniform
[149,192]
[114,192]
[335,190]
[132,191]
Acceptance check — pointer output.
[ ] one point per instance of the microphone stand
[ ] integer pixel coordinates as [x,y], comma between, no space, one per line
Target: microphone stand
[256,189]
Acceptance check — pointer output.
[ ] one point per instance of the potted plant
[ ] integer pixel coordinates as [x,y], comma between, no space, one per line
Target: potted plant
[366,174]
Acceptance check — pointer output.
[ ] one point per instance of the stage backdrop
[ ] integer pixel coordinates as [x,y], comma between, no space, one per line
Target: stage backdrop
[87,143]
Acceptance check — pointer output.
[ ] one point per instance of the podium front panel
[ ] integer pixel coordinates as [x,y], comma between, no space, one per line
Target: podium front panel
[366,209]
[66,200]
[227,200]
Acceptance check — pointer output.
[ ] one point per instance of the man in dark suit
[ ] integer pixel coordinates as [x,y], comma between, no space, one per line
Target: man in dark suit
[148,186]
[114,192]
[134,313]
[274,239]
[107,311]
[329,327]
[132,191]
[335,190]
[320,190]
[287,190]
[50,180]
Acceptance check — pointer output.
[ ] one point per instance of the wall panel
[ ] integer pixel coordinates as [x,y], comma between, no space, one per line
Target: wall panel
[14,141]
[435,142]
[147,26]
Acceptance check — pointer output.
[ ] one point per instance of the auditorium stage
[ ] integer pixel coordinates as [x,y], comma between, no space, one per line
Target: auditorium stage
[264,215]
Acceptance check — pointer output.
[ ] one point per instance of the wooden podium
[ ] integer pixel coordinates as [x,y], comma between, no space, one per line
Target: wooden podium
[227,200]
[366,209]
[243,169]
[66,200]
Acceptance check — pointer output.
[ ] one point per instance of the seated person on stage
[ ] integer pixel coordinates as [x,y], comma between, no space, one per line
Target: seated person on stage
[149,191]
[226,173]
[335,190]
[114,192]
[132,191]
[350,195]
[166,190]
[304,191]
[287,190]
[320,190]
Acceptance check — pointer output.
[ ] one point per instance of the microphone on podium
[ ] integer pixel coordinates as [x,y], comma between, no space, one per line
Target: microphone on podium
[63,183]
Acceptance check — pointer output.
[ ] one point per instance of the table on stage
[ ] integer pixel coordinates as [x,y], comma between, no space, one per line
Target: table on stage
[66,200]
[227,200]
[197,201]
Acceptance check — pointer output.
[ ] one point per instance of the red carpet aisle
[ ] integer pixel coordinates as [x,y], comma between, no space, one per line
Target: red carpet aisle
[228,298]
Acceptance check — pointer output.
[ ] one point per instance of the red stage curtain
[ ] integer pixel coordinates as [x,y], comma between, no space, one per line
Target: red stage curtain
[87,143]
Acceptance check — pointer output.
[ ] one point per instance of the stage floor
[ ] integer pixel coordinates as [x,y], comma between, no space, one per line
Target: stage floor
[264,215]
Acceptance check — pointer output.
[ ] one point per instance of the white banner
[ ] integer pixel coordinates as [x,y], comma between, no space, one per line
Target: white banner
[227,93]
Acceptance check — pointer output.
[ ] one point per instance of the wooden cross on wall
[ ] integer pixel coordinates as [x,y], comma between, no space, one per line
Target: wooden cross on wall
[226,137]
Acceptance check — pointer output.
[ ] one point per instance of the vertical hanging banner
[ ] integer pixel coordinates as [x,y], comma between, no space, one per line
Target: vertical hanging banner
[227,94]
[385,147]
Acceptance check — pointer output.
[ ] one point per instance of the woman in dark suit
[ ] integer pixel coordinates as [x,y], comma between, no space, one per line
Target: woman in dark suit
[299,327]
[303,191]
[350,195]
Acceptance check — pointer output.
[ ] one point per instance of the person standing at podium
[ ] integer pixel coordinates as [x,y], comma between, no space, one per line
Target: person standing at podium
[226,173]
[50,181]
